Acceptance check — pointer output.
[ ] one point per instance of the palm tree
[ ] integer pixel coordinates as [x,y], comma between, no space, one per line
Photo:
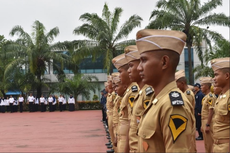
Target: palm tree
[35,52]
[104,37]
[220,50]
[6,57]
[188,16]
[78,85]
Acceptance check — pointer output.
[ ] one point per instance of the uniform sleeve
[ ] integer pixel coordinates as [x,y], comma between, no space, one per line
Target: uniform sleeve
[176,131]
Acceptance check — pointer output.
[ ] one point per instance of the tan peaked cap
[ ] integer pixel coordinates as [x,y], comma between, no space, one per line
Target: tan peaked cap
[150,40]
[114,74]
[109,78]
[179,74]
[119,61]
[220,63]
[105,84]
[131,53]
[116,79]
[205,80]
[190,87]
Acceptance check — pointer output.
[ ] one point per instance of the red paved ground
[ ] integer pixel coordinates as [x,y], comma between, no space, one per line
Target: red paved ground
[79,131]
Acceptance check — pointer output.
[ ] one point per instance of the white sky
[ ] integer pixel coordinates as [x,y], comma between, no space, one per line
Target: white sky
[65,14]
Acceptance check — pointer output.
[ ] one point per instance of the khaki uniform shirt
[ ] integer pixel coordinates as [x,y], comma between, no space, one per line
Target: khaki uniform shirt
[207,103]
[127,101]
[109,104]
[116,107]
[190,95]
[126,108]
[221,123]
[168,125]
[140,103]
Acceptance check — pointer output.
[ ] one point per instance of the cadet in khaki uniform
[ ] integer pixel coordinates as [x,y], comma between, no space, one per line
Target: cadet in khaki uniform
[121,64]
[182,85]
[133,57]
[109,106]
[221,123]
[120,90]
[168,124]
[207,112]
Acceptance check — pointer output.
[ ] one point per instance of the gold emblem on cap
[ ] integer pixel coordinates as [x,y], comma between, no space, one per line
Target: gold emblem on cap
[155,101]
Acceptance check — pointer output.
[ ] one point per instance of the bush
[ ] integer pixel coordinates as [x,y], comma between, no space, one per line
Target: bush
[95,97]
[89,105]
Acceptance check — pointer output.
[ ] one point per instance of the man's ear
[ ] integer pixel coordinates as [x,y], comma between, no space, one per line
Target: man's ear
[227,75]
[165,62]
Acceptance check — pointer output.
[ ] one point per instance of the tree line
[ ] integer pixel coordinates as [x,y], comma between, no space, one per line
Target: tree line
[24,62]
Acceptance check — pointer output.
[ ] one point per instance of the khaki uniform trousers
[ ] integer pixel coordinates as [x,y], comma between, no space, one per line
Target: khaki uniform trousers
[110,123]
[115,126]
[208,137]
[123,128]
[221,145]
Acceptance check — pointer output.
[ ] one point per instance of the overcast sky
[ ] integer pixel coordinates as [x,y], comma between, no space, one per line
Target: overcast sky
[65,14]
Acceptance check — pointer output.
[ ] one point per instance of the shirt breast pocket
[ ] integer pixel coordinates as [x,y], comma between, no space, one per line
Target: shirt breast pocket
[146,135]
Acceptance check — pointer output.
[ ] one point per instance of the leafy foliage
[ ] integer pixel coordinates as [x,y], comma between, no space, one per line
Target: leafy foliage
[220,50]
[193,19]
[104,36]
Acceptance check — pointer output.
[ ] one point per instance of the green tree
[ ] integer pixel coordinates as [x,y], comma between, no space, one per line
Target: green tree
[104,37]
[78,85]
[6,57]
[220,50]
[193,19]
[36,52]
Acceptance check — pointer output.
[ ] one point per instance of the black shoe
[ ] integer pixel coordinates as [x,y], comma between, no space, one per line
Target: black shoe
[110,151]
[110,146]
[107,144]
[199,138]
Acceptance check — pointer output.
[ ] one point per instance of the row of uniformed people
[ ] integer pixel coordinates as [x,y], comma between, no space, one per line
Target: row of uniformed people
[150,112]
[35,102]
[9,105]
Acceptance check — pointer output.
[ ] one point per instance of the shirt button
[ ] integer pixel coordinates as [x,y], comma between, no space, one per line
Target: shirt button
[144,136]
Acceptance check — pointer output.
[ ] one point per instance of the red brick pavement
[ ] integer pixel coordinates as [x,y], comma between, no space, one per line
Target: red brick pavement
[79,131]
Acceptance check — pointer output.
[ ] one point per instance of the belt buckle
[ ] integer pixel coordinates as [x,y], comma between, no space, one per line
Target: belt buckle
[217,142]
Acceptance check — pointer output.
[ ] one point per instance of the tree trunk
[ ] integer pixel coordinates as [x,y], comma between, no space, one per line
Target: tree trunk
[190,63]
[3,94]
[76,103]
[39,87]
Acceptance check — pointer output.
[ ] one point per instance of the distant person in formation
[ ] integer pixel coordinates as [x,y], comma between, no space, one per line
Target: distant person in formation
[207,113]
[71,102]
[198,107]
[60,101]
[54,103]
[50,101]
[31,100]
[36,104]
[64,103]
[42,103]
[15,105]
[7,104]
[20,100]
[11,101]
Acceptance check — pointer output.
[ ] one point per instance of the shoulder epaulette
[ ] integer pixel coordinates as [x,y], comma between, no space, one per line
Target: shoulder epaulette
[134,88]
[149,91]
[176,98]
[188,92]
[210,95]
